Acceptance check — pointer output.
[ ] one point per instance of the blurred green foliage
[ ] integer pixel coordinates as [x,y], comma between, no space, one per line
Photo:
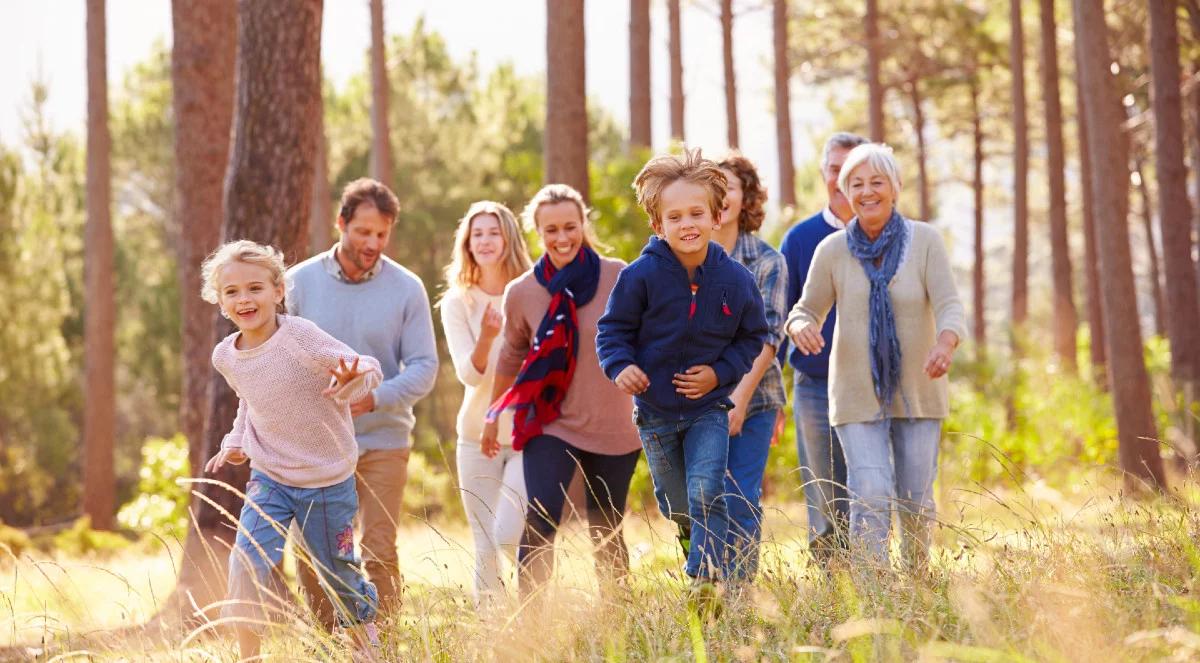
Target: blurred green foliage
[160,504]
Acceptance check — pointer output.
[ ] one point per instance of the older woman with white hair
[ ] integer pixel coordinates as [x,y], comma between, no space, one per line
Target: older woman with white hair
[899,323]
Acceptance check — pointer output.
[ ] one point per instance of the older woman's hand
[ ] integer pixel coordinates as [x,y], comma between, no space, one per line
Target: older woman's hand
[941,355]
[807,338]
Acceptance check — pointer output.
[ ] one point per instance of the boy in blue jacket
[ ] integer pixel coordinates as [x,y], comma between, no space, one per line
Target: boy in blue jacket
[683,324]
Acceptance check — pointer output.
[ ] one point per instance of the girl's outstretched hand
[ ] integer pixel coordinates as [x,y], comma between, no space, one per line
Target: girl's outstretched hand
[342,375]
[231,455]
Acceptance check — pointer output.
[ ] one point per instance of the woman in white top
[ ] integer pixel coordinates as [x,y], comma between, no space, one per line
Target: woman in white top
[489,251]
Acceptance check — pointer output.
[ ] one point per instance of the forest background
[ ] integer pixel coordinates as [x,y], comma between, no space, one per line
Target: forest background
[987,131]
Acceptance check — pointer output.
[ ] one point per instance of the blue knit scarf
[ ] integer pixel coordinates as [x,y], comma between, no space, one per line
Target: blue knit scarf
[887,249]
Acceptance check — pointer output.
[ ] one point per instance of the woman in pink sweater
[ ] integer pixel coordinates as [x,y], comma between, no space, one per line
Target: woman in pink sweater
[566,413]
[294,384]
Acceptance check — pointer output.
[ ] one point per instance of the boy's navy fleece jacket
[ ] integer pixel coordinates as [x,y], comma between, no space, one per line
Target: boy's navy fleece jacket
[650,322]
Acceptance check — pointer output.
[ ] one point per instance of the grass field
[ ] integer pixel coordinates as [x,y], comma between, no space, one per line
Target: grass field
[1029,573]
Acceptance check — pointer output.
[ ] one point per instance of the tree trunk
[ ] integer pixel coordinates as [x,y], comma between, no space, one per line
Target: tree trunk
[566,147]
[202,60]
[270,169]
[977,275]
[99,411]
[1065,316]
[1156,293]
[1136,429]
[1195,113]
[783,107]
[914,95]
[731,117]
[1175,210]
[320,224]
[381,143]
[675,48]
[639,73]
[1020,285]
[1193,12]
[874,78]
[1095,304]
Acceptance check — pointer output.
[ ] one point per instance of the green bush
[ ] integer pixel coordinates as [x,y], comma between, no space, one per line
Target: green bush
[1025,418]
[13,542]
[81,540]
[160,505]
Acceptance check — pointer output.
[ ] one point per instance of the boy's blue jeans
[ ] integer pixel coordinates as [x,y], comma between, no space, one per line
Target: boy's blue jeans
[325,517]
[687,459]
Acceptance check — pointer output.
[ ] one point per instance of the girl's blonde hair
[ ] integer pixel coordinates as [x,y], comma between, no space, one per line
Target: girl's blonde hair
[463,271]
[242,250]
[552,194]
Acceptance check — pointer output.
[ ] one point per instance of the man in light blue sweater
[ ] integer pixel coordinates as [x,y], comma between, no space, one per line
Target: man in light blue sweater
[378,308]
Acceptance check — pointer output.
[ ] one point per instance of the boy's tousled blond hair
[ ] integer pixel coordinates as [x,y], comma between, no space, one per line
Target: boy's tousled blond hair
[242,250]
[664,169]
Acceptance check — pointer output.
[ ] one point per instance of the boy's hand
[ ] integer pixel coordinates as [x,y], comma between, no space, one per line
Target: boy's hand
[231,455]
[632,380]
[696,381]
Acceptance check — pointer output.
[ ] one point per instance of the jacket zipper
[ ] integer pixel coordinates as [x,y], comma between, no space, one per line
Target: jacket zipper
[680,398]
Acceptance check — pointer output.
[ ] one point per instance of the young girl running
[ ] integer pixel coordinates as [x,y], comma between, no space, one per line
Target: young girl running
[294,384]
[489,252]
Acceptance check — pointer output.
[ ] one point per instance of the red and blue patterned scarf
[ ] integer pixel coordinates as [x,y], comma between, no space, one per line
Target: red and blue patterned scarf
[541,385]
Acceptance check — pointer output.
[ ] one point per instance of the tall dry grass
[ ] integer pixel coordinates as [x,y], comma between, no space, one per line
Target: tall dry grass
[1026,572]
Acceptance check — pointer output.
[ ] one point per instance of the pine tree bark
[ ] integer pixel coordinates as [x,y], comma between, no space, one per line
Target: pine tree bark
[914,96]
[978,274]
[731,116]
[874,77]
[639,73]
[270,169]
[1175,210]
[1155,276]
[99,410]
[1136,429]
[566,145]
[320,224]
[783,106]
[1098,351]
[203,54]
[1020,270]
[675,51]
[1066,319]
[381,142]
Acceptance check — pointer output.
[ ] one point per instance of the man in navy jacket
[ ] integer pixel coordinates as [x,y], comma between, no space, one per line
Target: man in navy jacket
[823,467]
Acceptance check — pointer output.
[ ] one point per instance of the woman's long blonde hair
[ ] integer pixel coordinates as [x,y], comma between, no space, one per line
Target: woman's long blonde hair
[463,272]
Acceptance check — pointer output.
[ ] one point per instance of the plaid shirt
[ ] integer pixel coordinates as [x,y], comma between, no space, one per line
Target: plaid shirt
[770,273]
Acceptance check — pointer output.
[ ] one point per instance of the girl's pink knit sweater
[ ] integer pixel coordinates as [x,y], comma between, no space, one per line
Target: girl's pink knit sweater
[289,429]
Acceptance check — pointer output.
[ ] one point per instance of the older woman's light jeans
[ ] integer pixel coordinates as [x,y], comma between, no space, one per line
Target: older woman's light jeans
[891,464]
